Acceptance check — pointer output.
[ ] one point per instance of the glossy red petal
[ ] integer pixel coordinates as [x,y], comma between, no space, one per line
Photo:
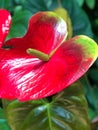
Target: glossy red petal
[27,78]
[5,22]
[46,32]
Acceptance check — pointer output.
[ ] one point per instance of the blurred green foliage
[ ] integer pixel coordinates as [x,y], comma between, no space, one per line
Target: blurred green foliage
[89,3]
[84,17]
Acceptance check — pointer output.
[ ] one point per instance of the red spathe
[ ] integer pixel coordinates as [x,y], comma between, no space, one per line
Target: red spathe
[26,77]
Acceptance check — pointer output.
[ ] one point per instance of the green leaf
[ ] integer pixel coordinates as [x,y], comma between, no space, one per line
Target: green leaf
[19,24]
[64,111]
[90,3]
[96,62]
[92,113]
[4,125]
[91,95]
[80,2]
[3,122]
[80,21]
[93,74]
[2,115]
[5,3]
[38,5]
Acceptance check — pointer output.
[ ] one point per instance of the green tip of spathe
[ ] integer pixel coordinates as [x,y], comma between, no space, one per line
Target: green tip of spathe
[88,45]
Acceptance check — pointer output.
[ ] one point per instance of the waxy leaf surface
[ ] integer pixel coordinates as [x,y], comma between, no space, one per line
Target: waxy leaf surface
[66,111]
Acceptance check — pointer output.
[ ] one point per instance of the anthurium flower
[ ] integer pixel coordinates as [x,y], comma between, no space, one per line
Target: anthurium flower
[42,63]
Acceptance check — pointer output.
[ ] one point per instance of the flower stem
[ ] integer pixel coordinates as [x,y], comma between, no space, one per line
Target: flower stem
[59,3]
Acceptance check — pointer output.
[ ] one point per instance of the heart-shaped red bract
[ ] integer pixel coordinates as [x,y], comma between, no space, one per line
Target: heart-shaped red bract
[26,77]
